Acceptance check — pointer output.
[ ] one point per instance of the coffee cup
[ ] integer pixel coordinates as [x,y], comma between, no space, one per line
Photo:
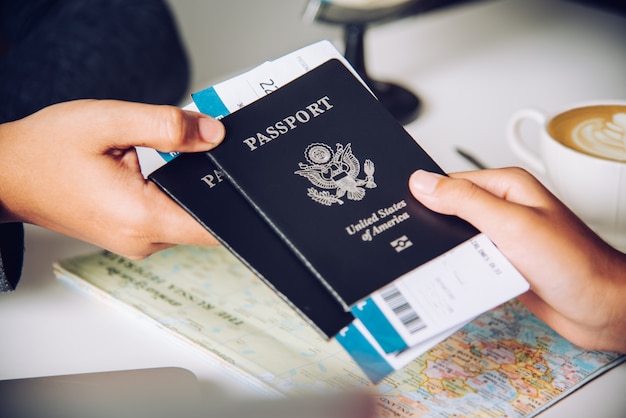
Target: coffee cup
[580,154]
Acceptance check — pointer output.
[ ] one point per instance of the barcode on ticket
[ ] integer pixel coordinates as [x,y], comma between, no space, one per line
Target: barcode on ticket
[403,310]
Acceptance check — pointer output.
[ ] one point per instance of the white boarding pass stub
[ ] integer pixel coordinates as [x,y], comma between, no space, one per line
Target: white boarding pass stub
[451,289]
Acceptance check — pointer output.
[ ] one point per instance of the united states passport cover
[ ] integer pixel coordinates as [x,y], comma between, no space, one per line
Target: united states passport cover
[193,181]
[327,166]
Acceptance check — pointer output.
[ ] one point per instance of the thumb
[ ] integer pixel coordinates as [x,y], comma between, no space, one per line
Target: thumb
[164,128]
[463,198]
[184,131]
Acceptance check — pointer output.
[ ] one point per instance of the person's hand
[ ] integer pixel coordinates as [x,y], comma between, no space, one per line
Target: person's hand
[578,282]
[73,168]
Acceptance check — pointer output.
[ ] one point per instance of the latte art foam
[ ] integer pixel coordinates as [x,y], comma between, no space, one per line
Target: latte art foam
[603,138]
[594,130]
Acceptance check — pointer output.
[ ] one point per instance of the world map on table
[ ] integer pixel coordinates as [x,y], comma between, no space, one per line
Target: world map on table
[505,363]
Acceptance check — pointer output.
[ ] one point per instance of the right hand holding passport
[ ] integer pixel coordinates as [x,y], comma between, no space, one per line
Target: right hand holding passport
[578,282]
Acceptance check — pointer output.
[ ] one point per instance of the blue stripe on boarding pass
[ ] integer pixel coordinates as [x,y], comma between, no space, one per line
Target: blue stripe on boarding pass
[210,103]
[369,360]
[379,326]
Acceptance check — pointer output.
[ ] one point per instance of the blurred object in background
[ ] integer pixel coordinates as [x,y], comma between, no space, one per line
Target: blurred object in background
[163,393]
[355,16]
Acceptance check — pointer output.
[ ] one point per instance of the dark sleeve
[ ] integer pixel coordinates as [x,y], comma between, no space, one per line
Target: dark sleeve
[11,255]
[59,50]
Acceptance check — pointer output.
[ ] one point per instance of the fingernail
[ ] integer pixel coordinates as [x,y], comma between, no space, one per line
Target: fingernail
[424,181]
[211,130]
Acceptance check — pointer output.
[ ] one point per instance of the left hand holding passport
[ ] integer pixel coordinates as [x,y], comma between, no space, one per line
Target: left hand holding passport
[72,168]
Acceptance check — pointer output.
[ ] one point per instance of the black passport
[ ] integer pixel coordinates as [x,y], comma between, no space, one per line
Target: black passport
[194,182]
[327,167]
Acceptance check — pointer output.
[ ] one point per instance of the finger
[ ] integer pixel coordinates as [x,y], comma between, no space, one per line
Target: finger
[165,128]
[461,197]
[513,184]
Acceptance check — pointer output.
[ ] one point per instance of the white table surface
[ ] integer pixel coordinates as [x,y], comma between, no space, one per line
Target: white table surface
[473,66]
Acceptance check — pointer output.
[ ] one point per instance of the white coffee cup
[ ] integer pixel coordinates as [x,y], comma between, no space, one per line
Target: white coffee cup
[589,173]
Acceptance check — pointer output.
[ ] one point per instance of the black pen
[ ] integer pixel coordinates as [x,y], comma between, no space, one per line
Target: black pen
[469,157]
